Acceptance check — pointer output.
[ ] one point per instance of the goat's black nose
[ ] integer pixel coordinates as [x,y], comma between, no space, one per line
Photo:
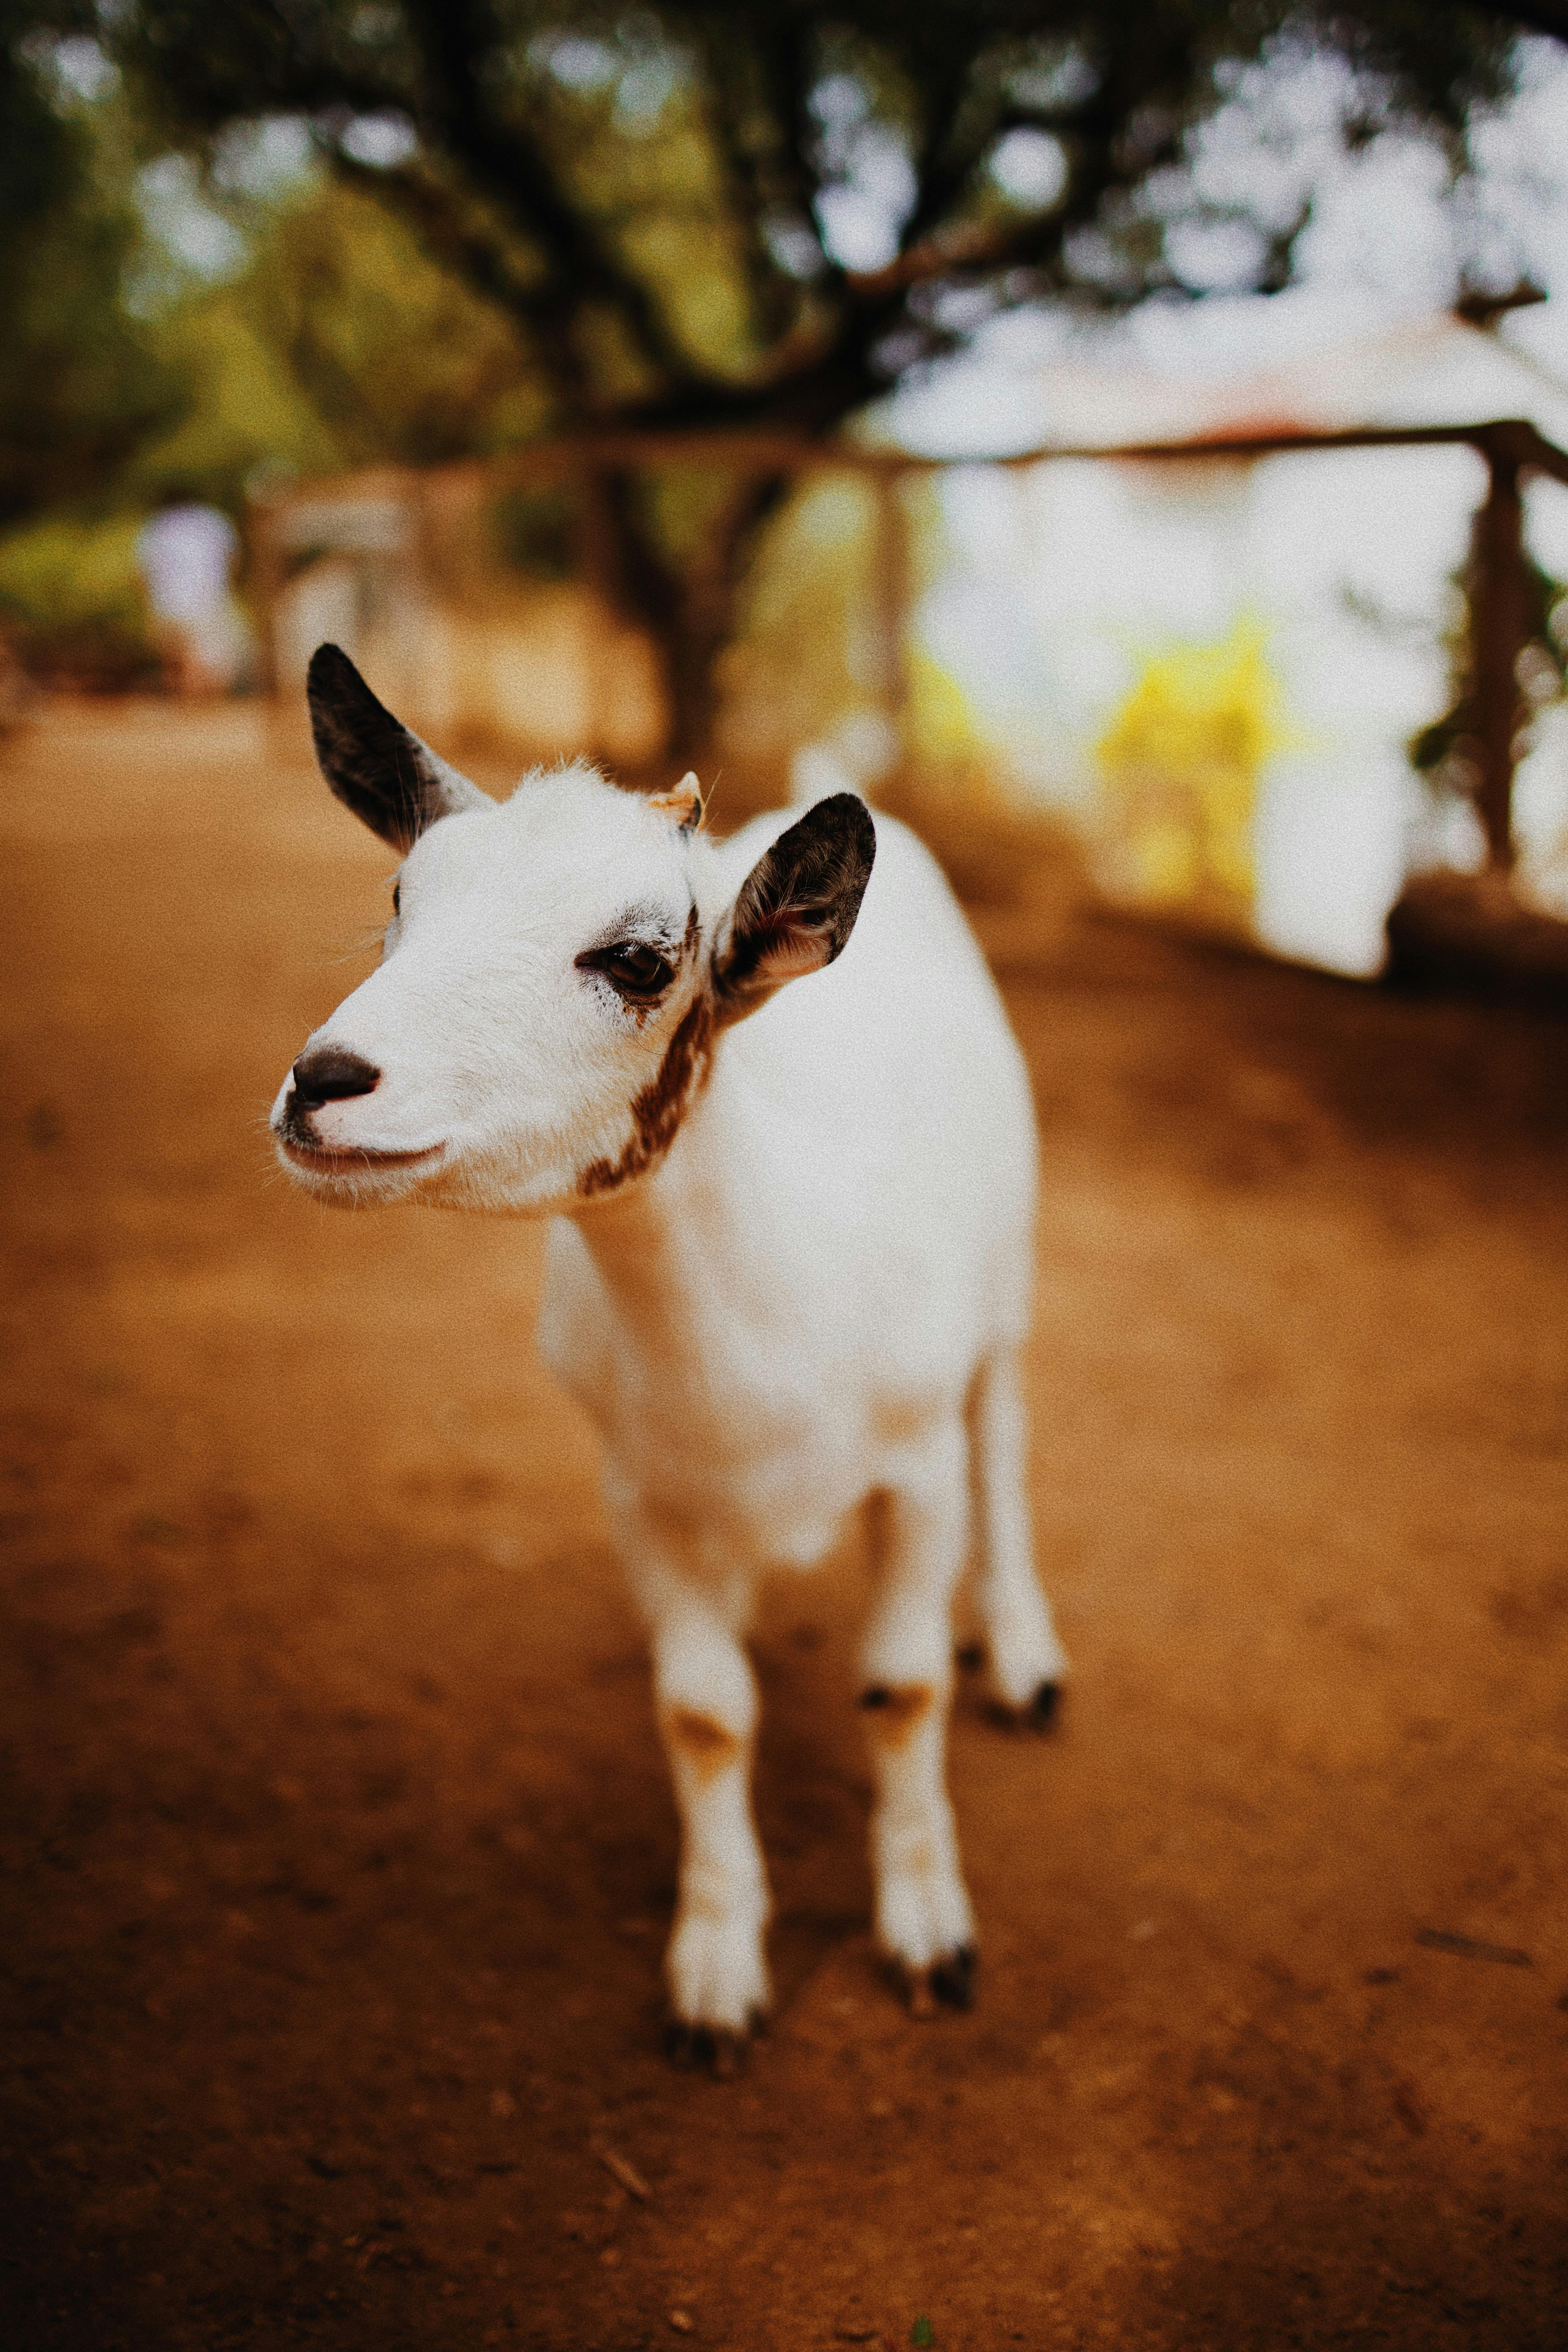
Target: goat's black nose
[329,1074]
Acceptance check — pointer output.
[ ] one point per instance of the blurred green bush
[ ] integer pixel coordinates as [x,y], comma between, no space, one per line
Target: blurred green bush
[71,603]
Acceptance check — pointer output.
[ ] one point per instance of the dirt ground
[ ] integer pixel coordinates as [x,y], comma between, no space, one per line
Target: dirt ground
[337,1841]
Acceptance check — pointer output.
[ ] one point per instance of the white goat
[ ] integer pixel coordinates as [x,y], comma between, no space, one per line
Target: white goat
[788,1269]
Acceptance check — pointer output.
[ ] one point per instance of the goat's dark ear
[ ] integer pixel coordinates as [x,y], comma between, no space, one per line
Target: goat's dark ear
[372,762]
[796,907]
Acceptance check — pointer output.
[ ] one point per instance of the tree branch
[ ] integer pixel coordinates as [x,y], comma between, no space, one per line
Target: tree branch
[479,261]
[511,169]
[944,91]
[1549,16]
[775,299]
[784,55]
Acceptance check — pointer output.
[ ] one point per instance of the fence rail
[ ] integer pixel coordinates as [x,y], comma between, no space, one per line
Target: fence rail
[1508,447]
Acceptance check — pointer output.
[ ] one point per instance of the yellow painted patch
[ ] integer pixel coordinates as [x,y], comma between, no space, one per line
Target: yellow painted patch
[1181,761]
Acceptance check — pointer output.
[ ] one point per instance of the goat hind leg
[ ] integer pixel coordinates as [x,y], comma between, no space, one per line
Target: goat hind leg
[1027,1662]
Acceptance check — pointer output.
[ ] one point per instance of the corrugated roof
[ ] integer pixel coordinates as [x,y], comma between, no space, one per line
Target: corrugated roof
[1430,371]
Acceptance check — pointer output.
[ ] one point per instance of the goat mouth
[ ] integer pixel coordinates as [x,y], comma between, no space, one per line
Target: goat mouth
[322,1160]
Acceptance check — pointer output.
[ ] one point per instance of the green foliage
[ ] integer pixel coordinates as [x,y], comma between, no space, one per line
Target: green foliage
[662,194]
[340,343]
[40,152]
[71,600]
[1447,754]
[80,387]
[534,214]
[328,339]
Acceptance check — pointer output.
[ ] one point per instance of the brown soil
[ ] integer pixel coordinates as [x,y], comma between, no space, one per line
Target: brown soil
[337,1838]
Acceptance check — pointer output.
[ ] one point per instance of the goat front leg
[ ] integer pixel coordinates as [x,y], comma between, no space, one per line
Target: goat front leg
[916,1534]
[707,1702]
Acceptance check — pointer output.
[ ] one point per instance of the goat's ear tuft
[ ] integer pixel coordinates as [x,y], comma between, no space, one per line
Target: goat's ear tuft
[797,905]
[684,803]
[372,762]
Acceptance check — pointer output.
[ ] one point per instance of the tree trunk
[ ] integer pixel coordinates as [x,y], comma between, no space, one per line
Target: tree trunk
[689,609]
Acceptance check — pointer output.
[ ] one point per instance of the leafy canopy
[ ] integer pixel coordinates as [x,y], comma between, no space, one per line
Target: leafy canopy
[80,388]
[734,211]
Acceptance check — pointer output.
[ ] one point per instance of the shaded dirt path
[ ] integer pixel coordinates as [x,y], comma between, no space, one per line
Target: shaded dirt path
[336,1839]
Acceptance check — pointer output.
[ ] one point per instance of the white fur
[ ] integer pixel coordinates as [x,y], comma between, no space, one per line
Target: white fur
[814,1299]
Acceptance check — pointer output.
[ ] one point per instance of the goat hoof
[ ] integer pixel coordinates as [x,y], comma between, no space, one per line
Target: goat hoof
[948,1983]
[686,2047]
[952,1977]
[705,2050]
[729,2057]
[1041,1712]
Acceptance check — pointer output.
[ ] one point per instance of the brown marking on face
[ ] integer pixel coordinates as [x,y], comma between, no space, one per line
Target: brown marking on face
[895,1711]
[658,1109]
[707,1746]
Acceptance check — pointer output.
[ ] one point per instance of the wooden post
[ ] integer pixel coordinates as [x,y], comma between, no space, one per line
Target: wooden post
[596,550]
[267,577]
[891,593]
[1497,628]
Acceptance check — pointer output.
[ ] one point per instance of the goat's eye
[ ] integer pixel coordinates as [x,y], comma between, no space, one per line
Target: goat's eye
[639,967]
[397,898]
[632,966]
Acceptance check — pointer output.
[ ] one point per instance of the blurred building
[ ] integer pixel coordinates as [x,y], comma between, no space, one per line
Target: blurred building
[407,572]
[1216,666]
